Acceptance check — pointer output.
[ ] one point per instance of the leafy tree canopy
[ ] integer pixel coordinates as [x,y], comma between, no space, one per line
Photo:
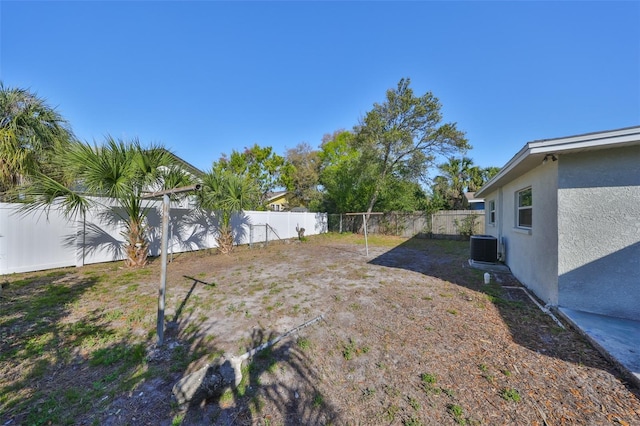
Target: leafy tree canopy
[342,174]
[305,175]
[267,169]
[347,177]
[30,132]
[402,137]
[384,162]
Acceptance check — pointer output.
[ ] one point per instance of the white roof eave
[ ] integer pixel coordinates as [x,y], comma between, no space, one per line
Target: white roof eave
[533,153]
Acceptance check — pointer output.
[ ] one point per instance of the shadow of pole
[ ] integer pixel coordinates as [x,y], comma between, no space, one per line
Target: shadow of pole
[188,295]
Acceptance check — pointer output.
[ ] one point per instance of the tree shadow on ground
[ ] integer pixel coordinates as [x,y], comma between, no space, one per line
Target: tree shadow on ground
[37,341]
[278,385]
[149,399]
[78,348]
[527,324]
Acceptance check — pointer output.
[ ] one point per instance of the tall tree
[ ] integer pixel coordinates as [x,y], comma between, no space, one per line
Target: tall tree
[30,132]
[488,173]
[305,176]
[475,178]
[120,170]
[404,136]
[439,193]
[267,169]
[457,174]
[478,176]
[347,176]
[343,175]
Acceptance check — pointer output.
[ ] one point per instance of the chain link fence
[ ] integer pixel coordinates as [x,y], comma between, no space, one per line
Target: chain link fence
[449,224]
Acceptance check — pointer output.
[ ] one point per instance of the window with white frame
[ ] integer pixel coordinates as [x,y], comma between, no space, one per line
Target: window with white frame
[492,212]
[525,208]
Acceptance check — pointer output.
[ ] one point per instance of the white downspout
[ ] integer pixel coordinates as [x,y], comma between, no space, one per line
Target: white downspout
[502,255]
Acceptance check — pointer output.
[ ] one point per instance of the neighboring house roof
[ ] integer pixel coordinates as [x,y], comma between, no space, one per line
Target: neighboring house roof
[187,166]
[533,153]
[272,196]
[471,198]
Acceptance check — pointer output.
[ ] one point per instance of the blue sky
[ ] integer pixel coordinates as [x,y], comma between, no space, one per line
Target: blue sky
[204,77]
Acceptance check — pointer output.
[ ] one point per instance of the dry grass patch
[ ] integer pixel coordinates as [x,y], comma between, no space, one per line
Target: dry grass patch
[410,336]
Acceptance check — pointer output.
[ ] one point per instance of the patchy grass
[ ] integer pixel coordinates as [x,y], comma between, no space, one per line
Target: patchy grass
[78,346]
[458,414]
[510,394]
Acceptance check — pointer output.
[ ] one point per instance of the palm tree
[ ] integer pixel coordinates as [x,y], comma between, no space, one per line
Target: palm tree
[456,172]
[460,175]
[226,194]
[119,170]
[30,132]
[475,178]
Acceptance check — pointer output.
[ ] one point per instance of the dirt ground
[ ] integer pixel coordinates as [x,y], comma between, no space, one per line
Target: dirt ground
[410,335]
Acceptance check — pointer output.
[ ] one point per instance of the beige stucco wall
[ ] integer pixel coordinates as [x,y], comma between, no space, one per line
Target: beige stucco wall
[599,238]
[532,255]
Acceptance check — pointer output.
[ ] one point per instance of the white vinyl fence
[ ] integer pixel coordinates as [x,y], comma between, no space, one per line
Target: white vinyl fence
[40,241]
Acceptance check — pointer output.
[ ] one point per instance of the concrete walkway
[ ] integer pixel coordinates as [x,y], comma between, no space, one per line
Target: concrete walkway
[617,338]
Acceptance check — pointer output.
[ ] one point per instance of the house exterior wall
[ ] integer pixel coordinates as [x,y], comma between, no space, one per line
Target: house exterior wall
[532,255]
[599,232]
[278,204]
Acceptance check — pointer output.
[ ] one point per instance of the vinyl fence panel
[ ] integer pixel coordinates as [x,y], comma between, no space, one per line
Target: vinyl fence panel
[39,241]
[36,242]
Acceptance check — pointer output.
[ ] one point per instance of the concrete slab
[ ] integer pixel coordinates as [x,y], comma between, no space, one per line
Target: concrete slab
[490,267]
[617,338]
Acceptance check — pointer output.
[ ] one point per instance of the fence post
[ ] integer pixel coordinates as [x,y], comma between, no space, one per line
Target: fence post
[414,219]
[81,230]
[396,217]
[432,217]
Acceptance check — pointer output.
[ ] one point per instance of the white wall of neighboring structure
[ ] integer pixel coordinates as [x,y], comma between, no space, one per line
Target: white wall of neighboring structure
[531,254]
[42,241]
[599,232]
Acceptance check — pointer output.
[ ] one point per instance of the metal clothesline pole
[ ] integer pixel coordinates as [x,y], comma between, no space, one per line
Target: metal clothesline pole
[166,205]
[364,219]
[366,241]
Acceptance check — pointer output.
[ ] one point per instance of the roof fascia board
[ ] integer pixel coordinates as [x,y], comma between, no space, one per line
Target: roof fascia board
[511,164]
[277,195]
[598,140]
[568,144]
[190,167]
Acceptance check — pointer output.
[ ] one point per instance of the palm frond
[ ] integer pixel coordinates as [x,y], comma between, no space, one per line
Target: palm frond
[43,193]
